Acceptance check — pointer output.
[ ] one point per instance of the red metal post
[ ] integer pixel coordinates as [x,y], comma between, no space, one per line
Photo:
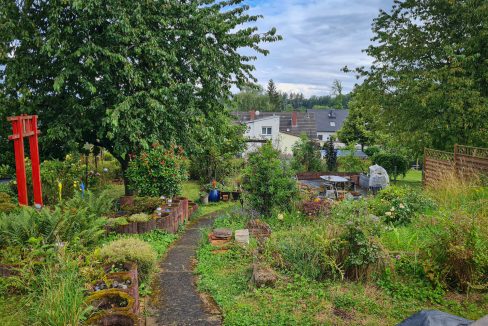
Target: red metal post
[18,139]
[34,154]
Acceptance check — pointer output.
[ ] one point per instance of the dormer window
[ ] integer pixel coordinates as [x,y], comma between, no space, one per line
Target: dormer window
[331,115]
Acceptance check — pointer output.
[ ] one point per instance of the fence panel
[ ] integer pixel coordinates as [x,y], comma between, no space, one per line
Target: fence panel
[465,162]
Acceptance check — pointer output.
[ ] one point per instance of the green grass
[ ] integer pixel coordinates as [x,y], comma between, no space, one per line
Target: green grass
[12,311]
[190,190]
[297,300]
[413,179]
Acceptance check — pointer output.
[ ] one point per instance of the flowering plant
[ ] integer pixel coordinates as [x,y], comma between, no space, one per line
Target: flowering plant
[158,171]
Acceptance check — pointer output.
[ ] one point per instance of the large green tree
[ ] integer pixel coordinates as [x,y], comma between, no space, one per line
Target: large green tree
[123,74]
[429,79]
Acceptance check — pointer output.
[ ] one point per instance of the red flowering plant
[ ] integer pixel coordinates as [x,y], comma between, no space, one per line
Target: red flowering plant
[316,207]
[158,171]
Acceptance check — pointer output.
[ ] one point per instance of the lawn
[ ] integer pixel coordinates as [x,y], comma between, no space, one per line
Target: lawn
[413,178]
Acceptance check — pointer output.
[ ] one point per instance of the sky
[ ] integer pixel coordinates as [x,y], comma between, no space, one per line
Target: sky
[320,37]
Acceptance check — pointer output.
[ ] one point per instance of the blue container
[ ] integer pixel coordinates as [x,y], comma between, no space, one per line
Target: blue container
[214,196]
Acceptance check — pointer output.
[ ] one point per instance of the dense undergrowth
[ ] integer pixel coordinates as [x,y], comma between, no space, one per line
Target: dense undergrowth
[371,262]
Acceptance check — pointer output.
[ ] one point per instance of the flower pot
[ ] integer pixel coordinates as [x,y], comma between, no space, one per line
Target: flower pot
[236,195]
[213,196]
[225,195]
[204,199]
[113,318]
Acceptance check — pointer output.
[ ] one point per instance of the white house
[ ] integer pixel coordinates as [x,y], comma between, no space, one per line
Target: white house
[261,129]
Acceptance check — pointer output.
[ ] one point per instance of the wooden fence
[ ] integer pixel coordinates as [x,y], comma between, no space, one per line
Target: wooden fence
[464,162]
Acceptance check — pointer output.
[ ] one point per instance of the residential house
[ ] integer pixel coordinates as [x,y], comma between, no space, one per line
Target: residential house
[282,128]
[328,122]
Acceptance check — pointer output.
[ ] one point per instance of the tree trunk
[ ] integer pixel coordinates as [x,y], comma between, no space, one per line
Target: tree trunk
[127,190]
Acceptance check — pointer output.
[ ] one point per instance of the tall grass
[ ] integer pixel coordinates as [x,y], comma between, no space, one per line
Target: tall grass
[58,298]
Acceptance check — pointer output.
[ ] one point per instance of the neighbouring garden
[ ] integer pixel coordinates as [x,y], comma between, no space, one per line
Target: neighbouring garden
[373,261]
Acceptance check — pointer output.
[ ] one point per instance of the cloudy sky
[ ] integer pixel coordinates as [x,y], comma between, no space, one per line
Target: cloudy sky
[319,38]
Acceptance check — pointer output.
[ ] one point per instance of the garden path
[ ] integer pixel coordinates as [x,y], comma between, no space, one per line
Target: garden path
[178,302]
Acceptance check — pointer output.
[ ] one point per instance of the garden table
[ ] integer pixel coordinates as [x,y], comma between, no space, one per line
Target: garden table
[334,180]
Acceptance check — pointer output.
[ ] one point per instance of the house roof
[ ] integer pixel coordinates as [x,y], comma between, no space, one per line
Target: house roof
[305,121]
[324,117]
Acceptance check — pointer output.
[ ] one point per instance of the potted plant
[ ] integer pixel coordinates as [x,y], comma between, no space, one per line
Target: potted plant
[203,197]
[214,193]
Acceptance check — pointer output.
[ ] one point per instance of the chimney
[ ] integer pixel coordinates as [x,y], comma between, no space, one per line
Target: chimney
[294,119]
[252,115]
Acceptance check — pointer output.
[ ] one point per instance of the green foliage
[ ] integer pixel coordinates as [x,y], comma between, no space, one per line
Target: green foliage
[306,155]
[6,171]
[394,164]
[158,171]
[130,250]
[372,150]
[6,204]
[399,205]
[59,295]
[273,95]
[120,83]
[68,172]
[29,227]
[143,205]
[268,181]
[97,204]
[427,86]
[220,140]
[362,251]
[141,217]
[118,221]
[330,155]
[309,251]
[352,163]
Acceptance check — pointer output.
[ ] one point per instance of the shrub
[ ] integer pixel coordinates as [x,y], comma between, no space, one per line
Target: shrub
[6,171]
[309,251]
[141,217]
[130,250]
[66,172]
[315,207]
[268,181]
[306,155]
[398,205]
[330,155]
[6,204]
[98,204]
[143,205]
[118,221]
[394,164]
[372,150]
[361,251]
[352,163]
[27,226]
[158,171]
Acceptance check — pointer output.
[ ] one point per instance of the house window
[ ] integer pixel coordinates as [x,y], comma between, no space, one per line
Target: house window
[266,131]
[332,123]
[321,137]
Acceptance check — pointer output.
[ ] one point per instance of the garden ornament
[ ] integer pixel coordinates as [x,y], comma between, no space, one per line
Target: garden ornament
[60,190]
[82,187]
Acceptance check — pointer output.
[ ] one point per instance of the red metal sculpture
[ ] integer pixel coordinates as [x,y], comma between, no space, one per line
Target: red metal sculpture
[26,126]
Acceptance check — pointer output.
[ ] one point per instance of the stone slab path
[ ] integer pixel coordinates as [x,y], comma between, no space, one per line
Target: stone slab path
[178,301]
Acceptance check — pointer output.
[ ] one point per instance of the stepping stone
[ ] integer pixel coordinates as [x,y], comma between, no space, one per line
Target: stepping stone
[222,233]
[242,236]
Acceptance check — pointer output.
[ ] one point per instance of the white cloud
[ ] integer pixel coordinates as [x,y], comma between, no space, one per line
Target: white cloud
[320,38]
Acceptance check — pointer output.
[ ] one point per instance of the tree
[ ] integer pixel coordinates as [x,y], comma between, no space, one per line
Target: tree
[394,164]
[306,155]
[268,181]
[330,155]
[124,74]
[428,77]
[359,126]
[337,93]
[251,99]
[273,95]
